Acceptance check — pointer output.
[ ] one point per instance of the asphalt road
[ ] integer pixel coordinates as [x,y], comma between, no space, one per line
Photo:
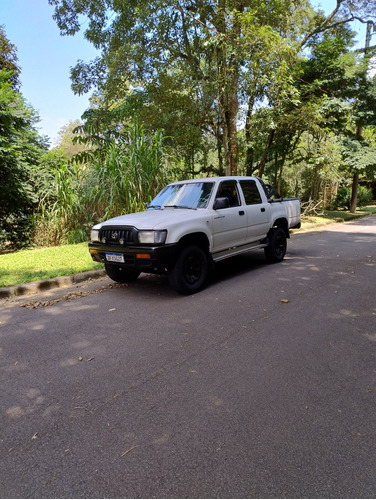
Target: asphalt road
[262,385]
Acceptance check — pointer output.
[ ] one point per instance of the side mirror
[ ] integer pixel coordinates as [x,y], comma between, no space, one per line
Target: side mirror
[221,203]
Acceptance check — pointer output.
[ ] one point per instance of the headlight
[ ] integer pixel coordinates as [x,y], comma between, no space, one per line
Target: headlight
[152,237]
[94,235]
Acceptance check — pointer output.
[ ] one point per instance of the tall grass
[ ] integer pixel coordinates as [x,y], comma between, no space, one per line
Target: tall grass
[129,174]
[58,216]
[119,178]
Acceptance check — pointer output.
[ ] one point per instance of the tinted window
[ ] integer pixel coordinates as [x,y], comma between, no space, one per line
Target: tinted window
[228,189]
[251,193]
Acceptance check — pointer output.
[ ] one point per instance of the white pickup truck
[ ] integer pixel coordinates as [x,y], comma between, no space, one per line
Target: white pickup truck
[192,224]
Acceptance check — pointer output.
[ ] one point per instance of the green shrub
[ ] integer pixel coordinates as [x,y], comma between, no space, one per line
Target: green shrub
[343,199]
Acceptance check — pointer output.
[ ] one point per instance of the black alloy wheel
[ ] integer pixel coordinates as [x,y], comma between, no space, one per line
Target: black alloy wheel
[190,271]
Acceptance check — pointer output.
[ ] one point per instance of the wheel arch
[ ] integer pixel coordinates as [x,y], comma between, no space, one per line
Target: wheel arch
[283,224]
[200,239]
[197,238]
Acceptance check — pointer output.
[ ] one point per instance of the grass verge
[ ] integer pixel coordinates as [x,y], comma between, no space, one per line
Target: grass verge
[25,266]
[332,216]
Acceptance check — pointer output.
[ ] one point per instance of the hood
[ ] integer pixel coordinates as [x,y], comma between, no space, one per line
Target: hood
[154,219]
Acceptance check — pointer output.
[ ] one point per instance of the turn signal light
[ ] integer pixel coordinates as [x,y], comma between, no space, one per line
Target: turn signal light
[142,256]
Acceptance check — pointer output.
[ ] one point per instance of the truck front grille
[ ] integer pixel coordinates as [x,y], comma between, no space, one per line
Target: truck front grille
[117,236]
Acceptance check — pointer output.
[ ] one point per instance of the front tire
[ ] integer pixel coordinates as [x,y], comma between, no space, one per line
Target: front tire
[276,249]
[121,274]
[190,271]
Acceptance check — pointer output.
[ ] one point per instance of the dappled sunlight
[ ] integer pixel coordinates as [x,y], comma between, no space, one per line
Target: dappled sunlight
[16,412]
[371,336]
[83,307]
[213,402]
[32,400]
[81,345]
[163,439]
[12,365]
[37,328]
[55,311]
[365,239]
[69,362]
[4,319]
[343,313]
[302,269]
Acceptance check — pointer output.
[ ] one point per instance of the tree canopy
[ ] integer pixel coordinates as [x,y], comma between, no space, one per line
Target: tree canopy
[9,59]
[20,150]
[204,64]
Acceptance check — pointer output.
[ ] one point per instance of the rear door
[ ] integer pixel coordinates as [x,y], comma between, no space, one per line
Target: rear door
[258,213]
[229,224]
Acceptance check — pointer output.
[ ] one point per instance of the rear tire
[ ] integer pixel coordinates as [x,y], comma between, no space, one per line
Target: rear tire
[190,271]
[121,274]
[276,249]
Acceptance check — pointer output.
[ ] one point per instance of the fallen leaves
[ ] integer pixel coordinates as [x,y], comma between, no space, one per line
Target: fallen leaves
[35,304]
[80,358]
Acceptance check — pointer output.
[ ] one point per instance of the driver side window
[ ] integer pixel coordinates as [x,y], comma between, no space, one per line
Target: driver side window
[229,190]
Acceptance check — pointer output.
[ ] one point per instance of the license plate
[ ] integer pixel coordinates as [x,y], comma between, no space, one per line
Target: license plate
[115,257]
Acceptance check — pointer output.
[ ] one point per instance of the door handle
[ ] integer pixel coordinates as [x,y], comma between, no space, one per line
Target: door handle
[262,209]
[241,212]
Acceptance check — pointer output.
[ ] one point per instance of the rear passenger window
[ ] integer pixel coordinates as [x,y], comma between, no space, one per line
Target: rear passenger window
[251,193]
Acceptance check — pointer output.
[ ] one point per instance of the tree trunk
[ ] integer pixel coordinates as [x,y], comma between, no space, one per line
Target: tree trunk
[228,101]
[355,182]
[354,193]
[229,111]
[221,170]
[228,79]
[264,158]
[249,161]
[248,137]
[232,149]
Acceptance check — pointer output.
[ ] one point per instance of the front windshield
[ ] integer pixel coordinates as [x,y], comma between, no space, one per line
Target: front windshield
[190,195]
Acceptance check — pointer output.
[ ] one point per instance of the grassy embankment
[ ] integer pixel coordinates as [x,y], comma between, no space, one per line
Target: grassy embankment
[36,264]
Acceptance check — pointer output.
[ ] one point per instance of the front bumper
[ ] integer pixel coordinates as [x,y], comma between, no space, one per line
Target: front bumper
[149,259]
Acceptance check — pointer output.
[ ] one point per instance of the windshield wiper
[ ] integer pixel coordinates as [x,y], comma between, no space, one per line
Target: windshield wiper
[157,207]
[179,206]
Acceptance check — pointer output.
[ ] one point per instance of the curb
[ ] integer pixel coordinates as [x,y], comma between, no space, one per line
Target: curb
[43,285]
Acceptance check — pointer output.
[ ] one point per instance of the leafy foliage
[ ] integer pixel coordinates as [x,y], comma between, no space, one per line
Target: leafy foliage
[181,90]
[20,149]
[116,176]
[128,173]
[343,199]
[9,59]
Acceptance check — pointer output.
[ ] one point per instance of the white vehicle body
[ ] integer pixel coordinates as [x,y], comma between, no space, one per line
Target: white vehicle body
[224,216]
